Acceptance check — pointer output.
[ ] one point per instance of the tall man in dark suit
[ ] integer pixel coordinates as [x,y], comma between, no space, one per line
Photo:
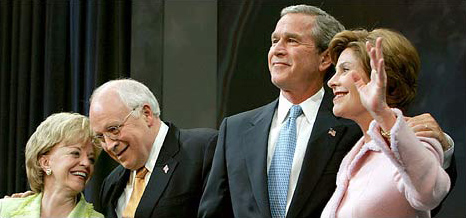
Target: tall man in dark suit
[125,116]
[239,184]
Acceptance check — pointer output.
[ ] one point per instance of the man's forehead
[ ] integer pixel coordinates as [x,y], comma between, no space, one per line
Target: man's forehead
[105,109]
[105,100]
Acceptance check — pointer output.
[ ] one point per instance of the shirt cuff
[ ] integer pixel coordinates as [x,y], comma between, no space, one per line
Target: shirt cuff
[448,154]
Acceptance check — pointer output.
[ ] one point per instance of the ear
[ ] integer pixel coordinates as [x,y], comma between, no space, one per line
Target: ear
[148,114]
[325,61]
[44,162]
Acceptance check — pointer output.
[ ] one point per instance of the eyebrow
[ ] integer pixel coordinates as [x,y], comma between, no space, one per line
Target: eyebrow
[286,34]
[344,63]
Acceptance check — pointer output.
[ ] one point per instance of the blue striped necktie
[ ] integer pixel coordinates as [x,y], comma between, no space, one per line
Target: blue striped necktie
[279,171]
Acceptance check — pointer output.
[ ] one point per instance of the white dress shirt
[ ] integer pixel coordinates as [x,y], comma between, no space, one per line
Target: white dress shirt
[304,125]
[448,154]
[154,153]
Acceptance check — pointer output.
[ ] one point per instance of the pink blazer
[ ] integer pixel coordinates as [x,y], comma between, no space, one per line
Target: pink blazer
[401,179]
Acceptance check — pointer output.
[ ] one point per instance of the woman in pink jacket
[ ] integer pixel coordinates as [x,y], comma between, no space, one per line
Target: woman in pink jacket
[389,172]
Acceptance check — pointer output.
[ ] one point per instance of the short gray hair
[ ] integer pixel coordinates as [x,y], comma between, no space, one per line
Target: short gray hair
[132,93]
[325,28]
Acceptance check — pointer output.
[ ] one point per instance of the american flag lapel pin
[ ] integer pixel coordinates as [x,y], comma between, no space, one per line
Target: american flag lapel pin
[332,132]
[165,169]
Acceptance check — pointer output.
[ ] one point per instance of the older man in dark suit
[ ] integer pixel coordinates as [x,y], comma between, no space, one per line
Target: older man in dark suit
[162,169]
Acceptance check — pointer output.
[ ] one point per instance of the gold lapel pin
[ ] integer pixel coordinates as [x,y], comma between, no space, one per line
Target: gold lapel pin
[165,169]
[332,132]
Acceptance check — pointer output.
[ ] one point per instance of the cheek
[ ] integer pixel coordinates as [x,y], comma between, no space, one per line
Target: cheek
[354,93]
[269,61]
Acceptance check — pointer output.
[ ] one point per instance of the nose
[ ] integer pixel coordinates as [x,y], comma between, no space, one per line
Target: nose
[332,82]
[85,161]
[278,48]
[110,145]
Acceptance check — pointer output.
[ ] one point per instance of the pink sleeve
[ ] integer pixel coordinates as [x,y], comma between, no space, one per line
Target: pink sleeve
[419,162]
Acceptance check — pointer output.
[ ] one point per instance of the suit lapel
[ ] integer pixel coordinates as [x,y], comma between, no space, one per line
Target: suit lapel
[320,148]
[120,185]
[255,143]
[163,170]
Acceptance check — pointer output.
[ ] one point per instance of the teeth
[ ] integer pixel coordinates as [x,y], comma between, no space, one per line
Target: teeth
[80,174]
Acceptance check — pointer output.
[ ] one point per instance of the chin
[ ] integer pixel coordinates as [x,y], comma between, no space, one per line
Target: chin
[129,165]
[338,112]
[78,188]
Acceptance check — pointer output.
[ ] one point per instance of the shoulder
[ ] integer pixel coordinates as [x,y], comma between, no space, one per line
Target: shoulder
[197,134]
[270,107]
[9,203]
[198,140]
[20,206]
[85,209]
[252,116]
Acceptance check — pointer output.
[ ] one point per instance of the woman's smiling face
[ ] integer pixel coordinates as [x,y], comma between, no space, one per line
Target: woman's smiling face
[72,166]
[346,102]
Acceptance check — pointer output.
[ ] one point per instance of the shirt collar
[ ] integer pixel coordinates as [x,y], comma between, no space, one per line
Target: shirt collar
[308,106]
[156,147]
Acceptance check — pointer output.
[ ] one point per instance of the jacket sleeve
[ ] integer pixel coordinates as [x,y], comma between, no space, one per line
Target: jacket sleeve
[215,201]
[419,163]
[209,149]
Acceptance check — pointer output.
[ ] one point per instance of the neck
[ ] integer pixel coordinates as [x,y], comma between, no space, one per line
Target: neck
[363,121]
[298,96]
[154,131]
[57,203]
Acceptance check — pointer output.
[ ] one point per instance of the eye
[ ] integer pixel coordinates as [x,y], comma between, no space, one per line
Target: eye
[292,41]
[114,130]
[274,41]
[75,153]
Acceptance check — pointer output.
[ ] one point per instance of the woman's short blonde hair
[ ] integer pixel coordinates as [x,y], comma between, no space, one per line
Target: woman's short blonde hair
[401,59]
[70,128]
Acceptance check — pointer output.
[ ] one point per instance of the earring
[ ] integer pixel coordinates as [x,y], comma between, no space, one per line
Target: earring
[48,171]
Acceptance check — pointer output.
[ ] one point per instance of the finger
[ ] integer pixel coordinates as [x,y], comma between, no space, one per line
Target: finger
[28,193]
[378,48]
[373,58]
[368,46]
[16,195]
[423,117]
[427,134]
[418,120]
[369,50]
[382,75]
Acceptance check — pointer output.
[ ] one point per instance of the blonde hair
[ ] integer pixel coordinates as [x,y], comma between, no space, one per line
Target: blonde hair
[402,62]
[64,127]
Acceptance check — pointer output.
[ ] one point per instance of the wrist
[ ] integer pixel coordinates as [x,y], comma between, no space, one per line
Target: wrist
[386,118]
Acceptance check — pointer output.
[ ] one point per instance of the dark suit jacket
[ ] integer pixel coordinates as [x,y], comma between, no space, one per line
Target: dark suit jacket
[237,184]
[188,154]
